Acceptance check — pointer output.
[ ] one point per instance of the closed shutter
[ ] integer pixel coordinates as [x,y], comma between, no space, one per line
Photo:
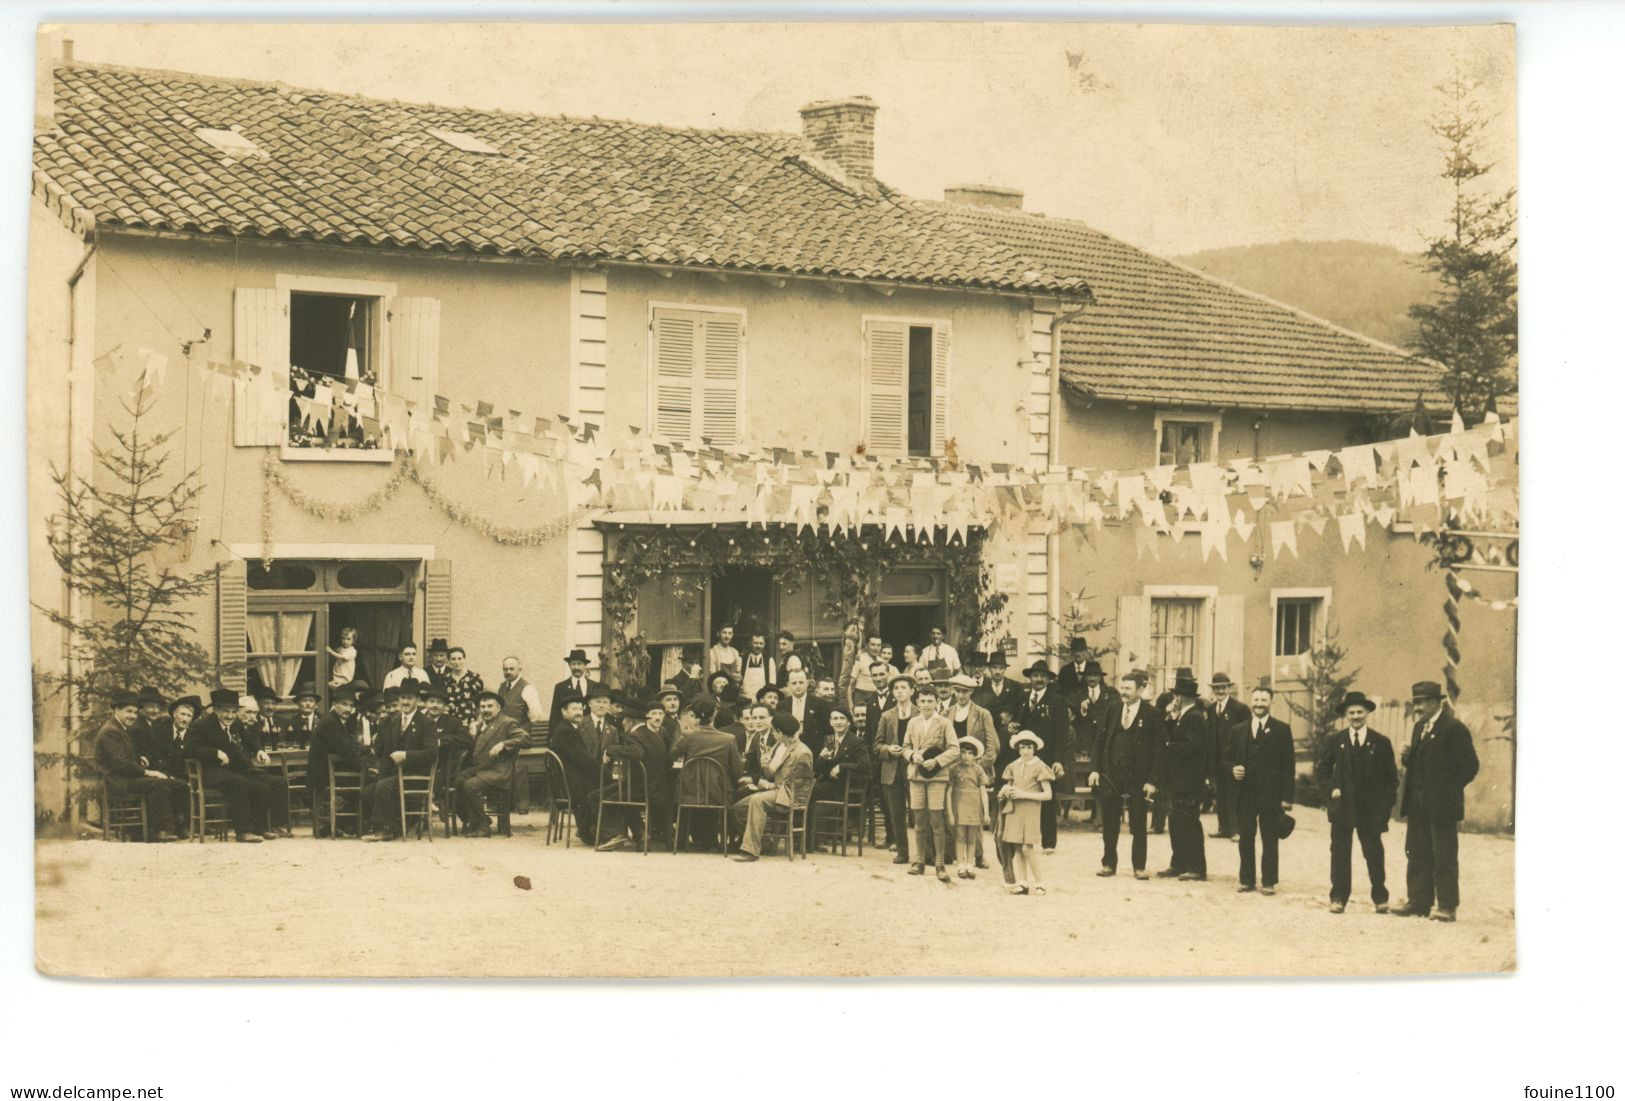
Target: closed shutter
[260,338]
[939,389]
[231,625]
[414,349]
[1227,639]
[676,340]
[437,599]
[723,383]
[1133,642]
[885,390]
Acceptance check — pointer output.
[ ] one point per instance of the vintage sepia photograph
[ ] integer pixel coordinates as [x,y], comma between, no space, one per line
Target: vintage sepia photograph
[711,500]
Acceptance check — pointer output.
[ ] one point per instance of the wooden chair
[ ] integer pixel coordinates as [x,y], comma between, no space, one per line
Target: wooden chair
[782,823]
[345,780]
[617,790]
[296,774]
[561,808]
[701,766]
[206,807]
[448,766]
[416,792]
[121,813]
[837,820]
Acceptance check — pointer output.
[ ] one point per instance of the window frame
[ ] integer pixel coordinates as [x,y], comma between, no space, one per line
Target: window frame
[1317,629]
[1208,595]
[937,325]
[378,341]
[1214,419]
[652,384]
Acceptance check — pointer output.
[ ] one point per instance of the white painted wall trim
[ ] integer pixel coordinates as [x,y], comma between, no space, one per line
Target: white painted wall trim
[589,381]
[1213,417]
[321,284]
[332,551]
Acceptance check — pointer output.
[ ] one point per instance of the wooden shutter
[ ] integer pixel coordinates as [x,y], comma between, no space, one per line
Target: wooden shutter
[1133,637]
[676,340]
[260,338]
[885,390]
[722,385]
[939,389]
[1228,655]
[231,626]
[436,599]
[414,349]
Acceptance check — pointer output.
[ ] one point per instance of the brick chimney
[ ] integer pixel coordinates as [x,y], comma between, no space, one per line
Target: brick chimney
[842,132]
[49,48]
[1008,198]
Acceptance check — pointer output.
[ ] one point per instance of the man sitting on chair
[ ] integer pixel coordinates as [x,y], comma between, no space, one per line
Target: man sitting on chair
[644,745]
[126,775]
[699,739]
[405,747]
[791,788]
[336,739]
[489,769]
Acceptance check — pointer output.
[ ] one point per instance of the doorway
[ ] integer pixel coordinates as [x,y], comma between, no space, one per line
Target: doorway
[742,598]
[908,624]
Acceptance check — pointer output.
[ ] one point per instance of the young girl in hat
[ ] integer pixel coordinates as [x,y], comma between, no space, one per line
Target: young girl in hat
[966,780]
[1027,783]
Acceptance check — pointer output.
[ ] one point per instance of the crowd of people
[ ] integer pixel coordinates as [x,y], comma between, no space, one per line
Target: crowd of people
[958,759]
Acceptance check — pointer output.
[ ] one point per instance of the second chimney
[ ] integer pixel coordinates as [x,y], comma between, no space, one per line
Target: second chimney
[842,131]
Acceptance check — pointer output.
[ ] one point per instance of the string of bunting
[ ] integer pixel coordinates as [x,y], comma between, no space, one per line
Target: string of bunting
[1465,476]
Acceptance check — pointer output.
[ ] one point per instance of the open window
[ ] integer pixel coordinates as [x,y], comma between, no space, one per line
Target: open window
[330,345]
[1186,438]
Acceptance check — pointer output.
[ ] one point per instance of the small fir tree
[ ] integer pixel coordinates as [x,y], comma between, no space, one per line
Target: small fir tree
[1326,685]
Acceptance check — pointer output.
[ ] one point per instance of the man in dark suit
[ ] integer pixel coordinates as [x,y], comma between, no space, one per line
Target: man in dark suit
[626,750]
[1125,758]
[1045,713]
[1165,701]
[843,754]
[1356,773]
[810,712]
[1258,758]
[997,690]
[498,738]
[124,772]
[337,738]
[300,726]
[696,740]
[577,684]
[581,758]
[228,756]
[1226,713]
[1184,777]
[1075,673]
[1439,764]
[406,745]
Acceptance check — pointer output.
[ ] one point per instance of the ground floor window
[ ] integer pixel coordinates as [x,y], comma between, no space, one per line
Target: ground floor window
[1176,637]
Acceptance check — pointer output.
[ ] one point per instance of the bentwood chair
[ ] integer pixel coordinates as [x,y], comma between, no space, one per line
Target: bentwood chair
[206,807]
[296,774]
[837,821]
[561,808]
[616,789]
[416,792]
[344,784]
[123,813]
[697,770]
[788,823]
[447,765]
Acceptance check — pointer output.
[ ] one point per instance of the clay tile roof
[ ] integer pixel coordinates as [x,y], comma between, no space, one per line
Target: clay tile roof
[1162,333]
[124,152]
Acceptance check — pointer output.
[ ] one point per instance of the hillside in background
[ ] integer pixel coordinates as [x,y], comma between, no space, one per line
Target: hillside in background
[1360,286]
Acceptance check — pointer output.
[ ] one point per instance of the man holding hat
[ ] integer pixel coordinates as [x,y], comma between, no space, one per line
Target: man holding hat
[1258,757]
[1226,713]
[406,745]
[1047,715]
[1356,773]
[336,739]
[930,750]
[791,787]
[124,772]
[489,769]
[213,741]
[1439,764]
[1184,777]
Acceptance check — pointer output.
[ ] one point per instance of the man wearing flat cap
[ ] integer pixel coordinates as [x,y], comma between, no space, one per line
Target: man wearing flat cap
[1439,764]
[124,772]
[791,788]
[1356,774]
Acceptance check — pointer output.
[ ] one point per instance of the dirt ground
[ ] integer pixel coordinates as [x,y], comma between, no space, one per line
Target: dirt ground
[303,907]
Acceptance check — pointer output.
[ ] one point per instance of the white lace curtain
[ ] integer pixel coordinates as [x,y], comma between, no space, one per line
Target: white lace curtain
[280,674]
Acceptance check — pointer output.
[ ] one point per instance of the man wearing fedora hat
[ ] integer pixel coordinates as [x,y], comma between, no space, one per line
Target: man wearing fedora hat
[300,726]
[228,767]
[1356,774]
[336,740]
[1258,757]
[996,689]
[1439,764]
[124,772]
[1046,714]
[1226,713]
[439,662]
[149,709]
[1184,777]
[577,684]
[406,746]
[489,768]
[1075,673]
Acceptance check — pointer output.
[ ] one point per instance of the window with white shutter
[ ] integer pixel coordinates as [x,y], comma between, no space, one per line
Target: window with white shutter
[697,366]
[259,338]
[905,386]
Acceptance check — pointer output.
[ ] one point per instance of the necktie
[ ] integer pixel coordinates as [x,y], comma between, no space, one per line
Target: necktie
[1128,717]
[1258,731]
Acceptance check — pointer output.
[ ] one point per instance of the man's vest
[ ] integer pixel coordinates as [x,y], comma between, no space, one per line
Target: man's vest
[513,700]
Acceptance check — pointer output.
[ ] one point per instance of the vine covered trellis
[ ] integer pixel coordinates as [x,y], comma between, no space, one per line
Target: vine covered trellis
[849,566]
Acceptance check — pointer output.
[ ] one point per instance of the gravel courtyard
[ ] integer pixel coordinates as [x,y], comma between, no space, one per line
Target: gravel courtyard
[302,907]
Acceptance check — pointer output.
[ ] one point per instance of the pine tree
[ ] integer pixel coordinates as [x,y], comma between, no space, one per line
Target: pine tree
[1327,684]
[120,539]
[1471,326]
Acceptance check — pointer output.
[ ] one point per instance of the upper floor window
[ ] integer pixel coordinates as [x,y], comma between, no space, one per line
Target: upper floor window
[905,392]
[697,371]
[1186,439]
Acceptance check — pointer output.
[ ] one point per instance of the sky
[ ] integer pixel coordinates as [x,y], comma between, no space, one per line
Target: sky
[1175,138]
